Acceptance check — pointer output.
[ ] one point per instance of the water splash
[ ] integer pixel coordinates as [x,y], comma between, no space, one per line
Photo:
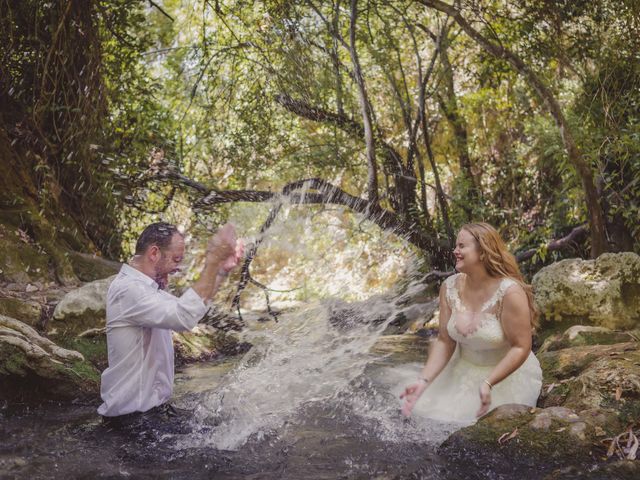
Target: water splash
[318,355]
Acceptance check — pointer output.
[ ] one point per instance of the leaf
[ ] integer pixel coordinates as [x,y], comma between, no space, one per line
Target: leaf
[618,393]
[505,437]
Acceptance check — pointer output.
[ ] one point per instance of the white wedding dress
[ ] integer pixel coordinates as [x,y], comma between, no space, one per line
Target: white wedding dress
[454,395]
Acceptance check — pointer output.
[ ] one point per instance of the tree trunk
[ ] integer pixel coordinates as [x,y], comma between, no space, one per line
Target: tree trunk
[365,107]
[596,216]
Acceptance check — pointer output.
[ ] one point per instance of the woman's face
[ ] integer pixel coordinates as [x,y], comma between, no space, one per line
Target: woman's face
[466,252]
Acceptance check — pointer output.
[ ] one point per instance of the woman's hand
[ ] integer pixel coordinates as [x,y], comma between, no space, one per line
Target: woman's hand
[485,400]
[411,395]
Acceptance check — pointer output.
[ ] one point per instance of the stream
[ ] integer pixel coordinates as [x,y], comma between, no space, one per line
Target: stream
[316,397]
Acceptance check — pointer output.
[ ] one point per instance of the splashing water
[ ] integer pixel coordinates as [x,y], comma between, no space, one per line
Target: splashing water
[318,355]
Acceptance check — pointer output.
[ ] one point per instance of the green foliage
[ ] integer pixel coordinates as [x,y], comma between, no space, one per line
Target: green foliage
[203,90]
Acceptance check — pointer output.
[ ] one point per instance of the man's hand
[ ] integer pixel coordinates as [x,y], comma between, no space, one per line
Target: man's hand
[233,260]
[225,248]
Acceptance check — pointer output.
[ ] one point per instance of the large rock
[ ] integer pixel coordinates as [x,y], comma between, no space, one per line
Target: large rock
[516,441]
[605,378]
[603,292]
[27,311]
[581,335]
[89,268]
[33,368]
[81,309]
[21,260]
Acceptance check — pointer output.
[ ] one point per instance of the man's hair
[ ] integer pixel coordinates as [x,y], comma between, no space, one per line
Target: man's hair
[159,234]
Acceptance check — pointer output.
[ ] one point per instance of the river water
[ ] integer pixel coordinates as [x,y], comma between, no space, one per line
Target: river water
[316,397]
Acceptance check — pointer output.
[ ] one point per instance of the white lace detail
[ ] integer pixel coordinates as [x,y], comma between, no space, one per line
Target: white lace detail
[488,329]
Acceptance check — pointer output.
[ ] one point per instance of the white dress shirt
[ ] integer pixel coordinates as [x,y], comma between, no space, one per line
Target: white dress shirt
[140,318]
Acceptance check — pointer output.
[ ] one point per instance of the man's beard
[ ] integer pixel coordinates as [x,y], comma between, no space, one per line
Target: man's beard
[162,279]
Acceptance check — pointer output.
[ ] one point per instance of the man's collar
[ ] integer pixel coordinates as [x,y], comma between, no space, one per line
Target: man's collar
[135,273]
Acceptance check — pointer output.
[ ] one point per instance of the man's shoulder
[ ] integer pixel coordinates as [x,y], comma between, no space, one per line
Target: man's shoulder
[127,285]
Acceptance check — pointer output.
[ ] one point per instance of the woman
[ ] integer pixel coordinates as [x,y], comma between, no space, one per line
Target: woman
[482,357]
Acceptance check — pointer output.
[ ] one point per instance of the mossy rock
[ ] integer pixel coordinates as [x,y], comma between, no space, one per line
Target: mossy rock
[92,346]
[89,268]
[405,348]
[618,470]
[34,369]
[205,343]
[581,335]
[21,260]
[81,309]
[516,441]
[23,310]
[594,377]
[602,292]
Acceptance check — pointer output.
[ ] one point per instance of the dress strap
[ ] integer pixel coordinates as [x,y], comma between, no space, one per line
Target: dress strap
[496,298]
[506,283]
[453,298]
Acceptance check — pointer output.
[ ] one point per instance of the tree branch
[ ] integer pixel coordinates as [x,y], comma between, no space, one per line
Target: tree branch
[596,215]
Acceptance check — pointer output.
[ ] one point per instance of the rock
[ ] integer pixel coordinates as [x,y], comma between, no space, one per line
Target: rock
[89,268]
[204,343]
[413,318]
[396,349]
[602,292]
[24,310]
[579,335]
[81,309]
[600,378]
[33,368]
[529,441]
[20,259]
[221,320]
[618,470]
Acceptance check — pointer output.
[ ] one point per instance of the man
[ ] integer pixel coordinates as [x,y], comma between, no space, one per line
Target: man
[141,316]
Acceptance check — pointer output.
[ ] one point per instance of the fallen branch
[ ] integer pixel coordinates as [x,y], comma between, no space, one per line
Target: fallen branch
[577,235]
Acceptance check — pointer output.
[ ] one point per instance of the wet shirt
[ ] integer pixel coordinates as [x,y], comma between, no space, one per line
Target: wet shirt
[140,318]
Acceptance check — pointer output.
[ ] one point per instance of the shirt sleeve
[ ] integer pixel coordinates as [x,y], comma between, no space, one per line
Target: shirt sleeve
[147,307]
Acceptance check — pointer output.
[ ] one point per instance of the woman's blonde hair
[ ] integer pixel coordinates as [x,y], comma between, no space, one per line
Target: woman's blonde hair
[498,261]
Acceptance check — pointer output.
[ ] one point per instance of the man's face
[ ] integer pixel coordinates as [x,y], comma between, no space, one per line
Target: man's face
[170,259]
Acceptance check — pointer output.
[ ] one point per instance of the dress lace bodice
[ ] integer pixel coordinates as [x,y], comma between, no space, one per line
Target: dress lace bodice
[483,342]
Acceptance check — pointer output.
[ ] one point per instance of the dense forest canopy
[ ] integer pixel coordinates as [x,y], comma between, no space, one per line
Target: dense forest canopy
[420,115]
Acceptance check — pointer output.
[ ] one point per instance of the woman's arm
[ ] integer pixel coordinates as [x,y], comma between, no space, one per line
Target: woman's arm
[439,355]
[444,346]
[516,323]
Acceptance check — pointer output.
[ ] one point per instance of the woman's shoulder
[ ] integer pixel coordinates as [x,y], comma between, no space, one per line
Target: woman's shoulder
[512,288]
[451,280]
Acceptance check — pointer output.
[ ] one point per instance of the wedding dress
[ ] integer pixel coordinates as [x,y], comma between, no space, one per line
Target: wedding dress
[454,394]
